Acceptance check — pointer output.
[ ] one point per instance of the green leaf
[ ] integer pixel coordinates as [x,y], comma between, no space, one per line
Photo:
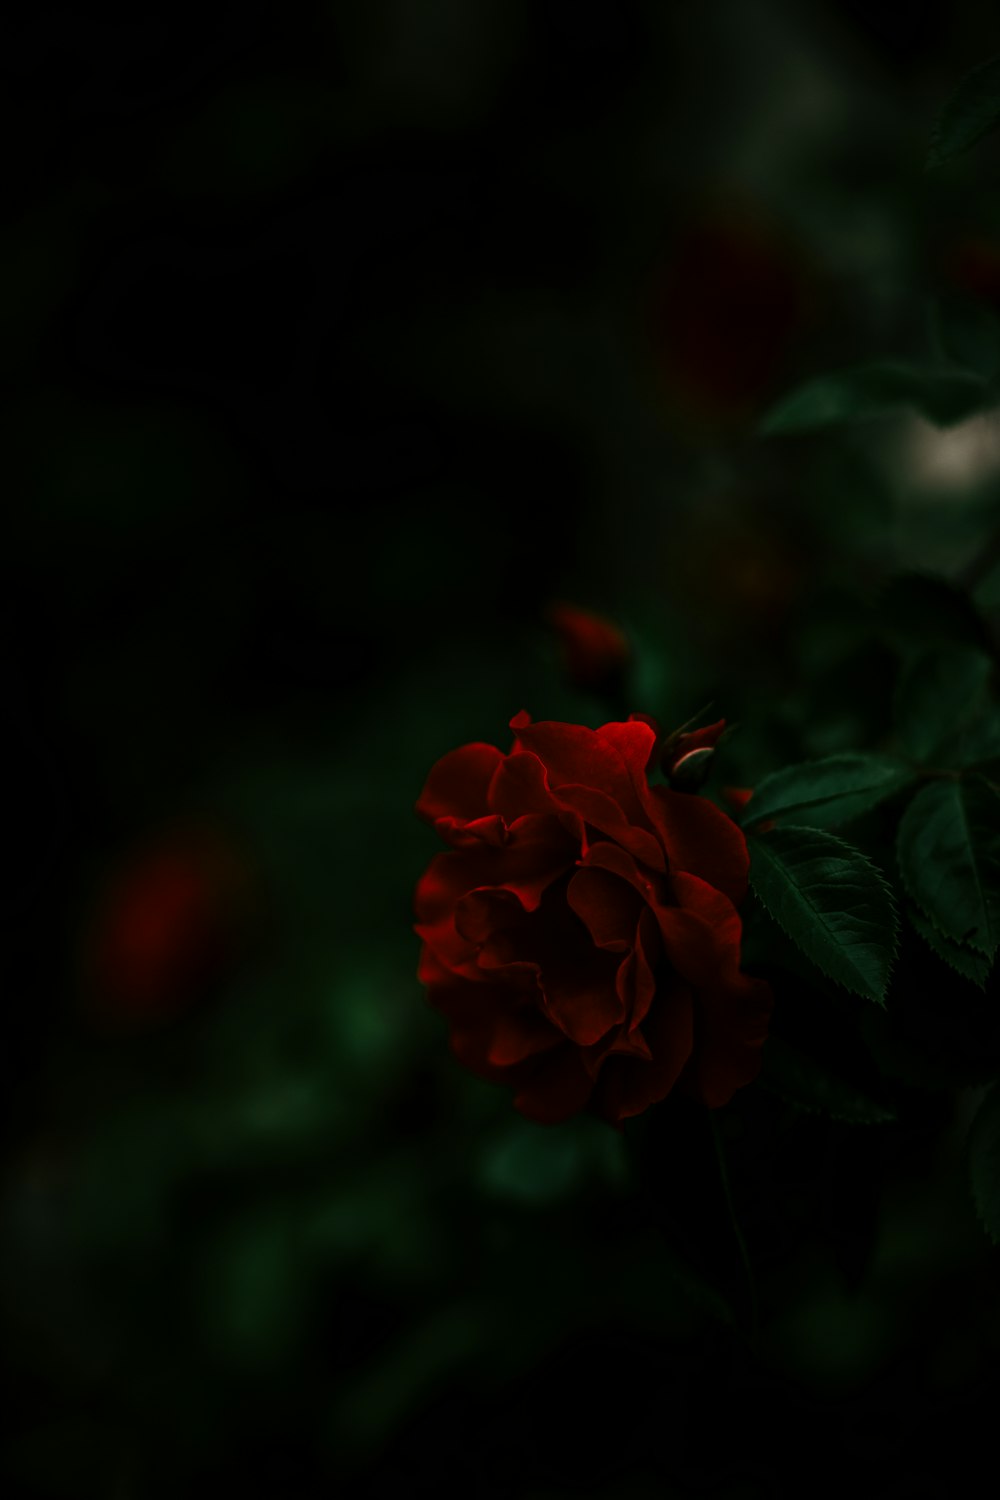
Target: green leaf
[948,849]
[967,333]
[984,1163]
[964,960]
[979,745]
[825,793]
[809,1085]
[872,390]
[972,110]
[987,591]
[940,694]
[832,901]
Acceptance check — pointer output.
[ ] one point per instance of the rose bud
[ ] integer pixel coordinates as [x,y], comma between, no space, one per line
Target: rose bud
[686,756]
[690,773]
[167,929]
[595,653]
[582,933]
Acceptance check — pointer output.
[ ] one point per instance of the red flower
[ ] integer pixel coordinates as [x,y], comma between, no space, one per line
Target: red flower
[595,652]
[685,757]
[727,310]
[166,929]
[973,265]
[582,935]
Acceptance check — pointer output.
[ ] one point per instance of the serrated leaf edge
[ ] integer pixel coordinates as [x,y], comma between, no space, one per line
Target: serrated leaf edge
[946,942]
[882,1116]
[751,812]
[984,952]
[852,849]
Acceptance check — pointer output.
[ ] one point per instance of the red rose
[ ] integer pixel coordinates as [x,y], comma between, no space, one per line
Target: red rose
[582,934]
[595,652]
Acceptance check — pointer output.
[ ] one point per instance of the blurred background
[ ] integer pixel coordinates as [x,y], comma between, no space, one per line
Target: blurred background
[340,342]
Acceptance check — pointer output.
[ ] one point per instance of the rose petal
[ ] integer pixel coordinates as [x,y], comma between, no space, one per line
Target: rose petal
[702,934]
[430,970]
[458,784]
[734,1023]
[628,1085]
[558,1087]
[699,838]
[618,861]
[491,1028]
[608,907]
[604,814]
[619,1043]
[520,786]
[498,929]
[485,912]
[637,977]
[584,1005]
[575,756]
[634,741]
[462,835]
[519,1034]
[439,888]
[535,854]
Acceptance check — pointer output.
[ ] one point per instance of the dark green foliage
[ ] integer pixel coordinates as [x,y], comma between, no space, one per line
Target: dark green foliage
[972,110]
[917,610]
[959,956]
[949,858]
[966,333]
[336,343]
[813,1086]
[941,694]
[978,747]
[873,390]
[832,901]
[529,1164]
[826,793]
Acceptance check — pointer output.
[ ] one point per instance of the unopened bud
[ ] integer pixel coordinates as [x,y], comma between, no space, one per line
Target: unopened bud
[690,771]
[681,744]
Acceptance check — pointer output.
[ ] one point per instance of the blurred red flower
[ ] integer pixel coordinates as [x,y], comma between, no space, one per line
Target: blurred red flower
[582,935]
[727,309]
[167,927]
[972,265]
[594,651]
